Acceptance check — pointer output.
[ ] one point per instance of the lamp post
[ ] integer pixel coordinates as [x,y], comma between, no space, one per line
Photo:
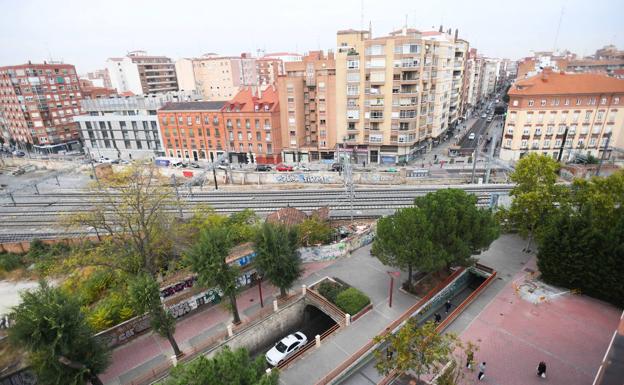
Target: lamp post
[392,274]
[260,291]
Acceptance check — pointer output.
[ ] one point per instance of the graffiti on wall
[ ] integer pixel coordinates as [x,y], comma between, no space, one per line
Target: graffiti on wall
[336,250]
[302,178]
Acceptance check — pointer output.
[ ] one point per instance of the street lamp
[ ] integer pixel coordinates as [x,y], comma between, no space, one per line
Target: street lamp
[392,275]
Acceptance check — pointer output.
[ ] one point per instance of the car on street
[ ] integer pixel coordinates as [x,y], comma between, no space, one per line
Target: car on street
[19,153]
[283,167]
[471,136]
[483,116]
[194,165]
[489,118]
[263,167]
[302,168]
[285,348]
[336,167]
[179,165]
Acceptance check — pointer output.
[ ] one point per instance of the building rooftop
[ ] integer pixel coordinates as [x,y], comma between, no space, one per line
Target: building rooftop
[552,83]
[248,98]
[193,106]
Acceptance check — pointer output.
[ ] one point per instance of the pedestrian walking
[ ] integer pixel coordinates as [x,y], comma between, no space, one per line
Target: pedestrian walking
[481,371]
[541,369]
[447,306]
[469,358]
[438,317]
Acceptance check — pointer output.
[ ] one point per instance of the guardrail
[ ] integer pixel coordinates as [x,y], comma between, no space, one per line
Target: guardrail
[330,307]
[308,346]
[369,345]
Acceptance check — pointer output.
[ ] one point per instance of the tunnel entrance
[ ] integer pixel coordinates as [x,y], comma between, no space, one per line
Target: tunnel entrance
[312,321]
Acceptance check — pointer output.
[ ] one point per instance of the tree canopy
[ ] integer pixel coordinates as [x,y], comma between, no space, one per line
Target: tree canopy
[62,350]
[277,255]
[208,257]
[227,367]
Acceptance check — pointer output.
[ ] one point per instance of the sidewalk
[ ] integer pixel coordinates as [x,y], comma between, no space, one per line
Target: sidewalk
[139,356]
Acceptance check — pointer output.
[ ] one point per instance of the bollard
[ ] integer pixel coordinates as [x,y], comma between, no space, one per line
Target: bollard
[275,308]
[268,371]
[318,341]
[303,289]
[347,319]
[174,360]
[229,330]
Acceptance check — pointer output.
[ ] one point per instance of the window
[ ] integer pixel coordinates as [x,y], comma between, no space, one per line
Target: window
[258,136]
[197,119]
[555,102]
[514,103]
[592,142]
[543,102]
[353,89]
[599,116]
[526,131]
[530,118]
[228,123]
[531,103]
[259,147]
[524,143]
[566,102]
[189,120]
[540,118]
[257,124]
[240,136]
[587,116]
[353,64]
[267,125]
[508,143]
[375,50]
[572,129]
[510,130]
[238,123]
[558,143]
[547,143]
[268,137]
[549,130]
[249,137]
[538,131]
[616,100]
[247,124]
[603,100]
[353,114]
[353,77]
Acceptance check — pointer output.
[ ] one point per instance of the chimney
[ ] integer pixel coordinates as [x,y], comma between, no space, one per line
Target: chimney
[456,33]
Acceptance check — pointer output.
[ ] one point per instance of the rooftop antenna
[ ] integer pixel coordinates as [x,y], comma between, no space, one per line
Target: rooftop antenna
[558,27]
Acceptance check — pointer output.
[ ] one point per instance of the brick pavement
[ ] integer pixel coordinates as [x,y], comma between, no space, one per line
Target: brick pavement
[570,333]
[141,354]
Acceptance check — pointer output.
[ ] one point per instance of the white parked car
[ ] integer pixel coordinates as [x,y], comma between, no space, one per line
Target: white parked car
[286,348]
[471,136]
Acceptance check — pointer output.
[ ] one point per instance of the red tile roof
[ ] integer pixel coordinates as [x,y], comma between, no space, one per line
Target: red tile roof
[247,99]
[556,83]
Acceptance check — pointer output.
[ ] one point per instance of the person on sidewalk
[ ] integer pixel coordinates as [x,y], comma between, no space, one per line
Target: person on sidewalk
[447,306]
[437,317]
[481,371]
[541,369]
[469,359]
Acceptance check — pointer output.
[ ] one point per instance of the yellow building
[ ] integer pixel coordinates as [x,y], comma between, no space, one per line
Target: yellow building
[574,113]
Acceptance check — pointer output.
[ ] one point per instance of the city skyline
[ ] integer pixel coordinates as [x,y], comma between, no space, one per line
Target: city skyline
[99,30]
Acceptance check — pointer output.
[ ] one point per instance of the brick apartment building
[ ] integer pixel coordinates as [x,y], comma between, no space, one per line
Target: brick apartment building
[245,129]
[581,113]
[38,103]
[252,122]
[307,95]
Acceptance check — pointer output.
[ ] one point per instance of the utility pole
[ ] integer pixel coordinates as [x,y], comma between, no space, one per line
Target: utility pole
[348,180]
[214,172]
[175,185]
[565,135]
[490,157]
[474,162]
[604,154]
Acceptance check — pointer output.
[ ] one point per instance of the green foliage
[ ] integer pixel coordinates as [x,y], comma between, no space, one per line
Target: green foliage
[351,300]
[110,311]
[10,261]
[62,350]
[243,226]
[582,244]
[277,256]
[227,367]
[418,349]
[313,231]
[330,290]
[207,258]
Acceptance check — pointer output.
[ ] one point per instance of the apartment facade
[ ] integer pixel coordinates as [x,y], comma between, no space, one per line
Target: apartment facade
[193,131]
[252,124]
[307,96]
[125,127]
[393,93]
[474,74]
[489,77]
[100,78]
[141,73]
[218,78]
[555,111]
[39,103]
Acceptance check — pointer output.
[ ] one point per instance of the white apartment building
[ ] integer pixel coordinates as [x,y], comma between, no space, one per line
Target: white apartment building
[125,127]
[140,73]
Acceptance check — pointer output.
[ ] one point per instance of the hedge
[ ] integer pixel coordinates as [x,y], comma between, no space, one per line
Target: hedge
[352,300]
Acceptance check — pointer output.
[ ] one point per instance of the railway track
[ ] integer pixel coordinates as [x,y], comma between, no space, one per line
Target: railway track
[31,216]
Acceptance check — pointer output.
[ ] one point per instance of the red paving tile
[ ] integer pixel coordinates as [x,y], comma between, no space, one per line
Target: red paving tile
[570,333]
[149,346]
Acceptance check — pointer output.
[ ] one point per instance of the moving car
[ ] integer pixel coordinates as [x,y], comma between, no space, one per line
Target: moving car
[283,167]
[263,167]
[471,136]
[336,167]
[285,348]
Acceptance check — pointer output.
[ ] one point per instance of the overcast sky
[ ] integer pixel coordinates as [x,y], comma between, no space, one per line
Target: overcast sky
[86,32]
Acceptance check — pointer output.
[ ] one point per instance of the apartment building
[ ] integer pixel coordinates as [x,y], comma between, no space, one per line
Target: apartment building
[252,124]
[473,75]
[393,93]
[125,127]
[91,91]
[307,96]
[555,111]
[272,65]
[100,78]
[218,78]
[141,73]
[193,131]
[39,102]
[489,78]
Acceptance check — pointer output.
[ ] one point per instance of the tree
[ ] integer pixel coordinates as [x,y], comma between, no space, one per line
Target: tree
[403,240]
[207,258]
[459,229]
[62,349]
[313,231]
[132,212]
[418,349]
[227,367]
[535,195]
[582,243]
[277,255]
[144,294]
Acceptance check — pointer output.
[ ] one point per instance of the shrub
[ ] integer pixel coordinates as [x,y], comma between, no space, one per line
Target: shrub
[352,300]
[330,290]
[10,261]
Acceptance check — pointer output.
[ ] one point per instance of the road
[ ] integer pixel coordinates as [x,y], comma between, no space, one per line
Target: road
[38,216]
